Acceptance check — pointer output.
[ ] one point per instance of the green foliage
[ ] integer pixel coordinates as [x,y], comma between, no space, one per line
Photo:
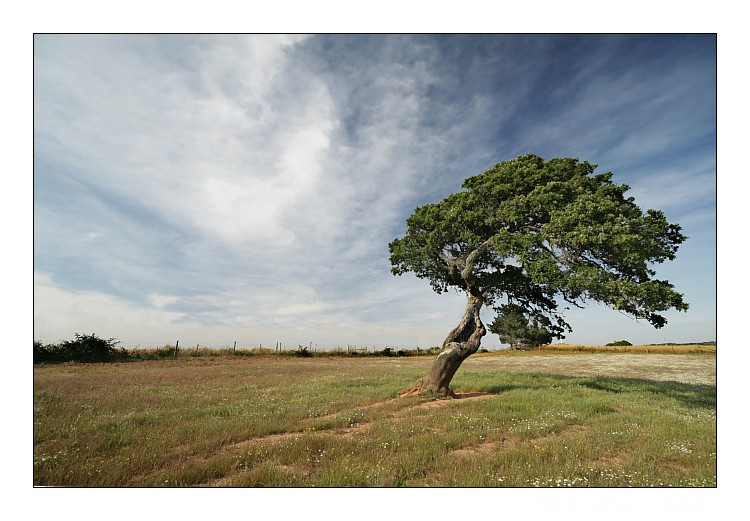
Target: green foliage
[514,327]
[41,352]
[85,348]
[531,231]
[302,351]
[620,343]
[167,351]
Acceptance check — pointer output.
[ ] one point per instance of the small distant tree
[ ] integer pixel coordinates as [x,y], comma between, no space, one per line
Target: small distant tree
[513,326]
[620,343]
[534,233]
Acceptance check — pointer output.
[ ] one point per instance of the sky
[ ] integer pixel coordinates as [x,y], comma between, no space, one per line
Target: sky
[220,188]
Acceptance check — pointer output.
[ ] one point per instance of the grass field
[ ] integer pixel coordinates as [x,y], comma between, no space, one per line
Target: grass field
[524,419]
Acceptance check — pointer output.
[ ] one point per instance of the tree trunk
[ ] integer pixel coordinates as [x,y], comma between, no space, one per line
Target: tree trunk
[463,341]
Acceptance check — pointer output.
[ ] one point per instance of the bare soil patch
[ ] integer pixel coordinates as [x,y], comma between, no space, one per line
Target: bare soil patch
[484,448]
[472,395]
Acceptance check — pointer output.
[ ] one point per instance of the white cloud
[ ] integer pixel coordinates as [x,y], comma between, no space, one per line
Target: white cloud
[58,314]
[157,301]
[209,145]
[673,189]
[289,313]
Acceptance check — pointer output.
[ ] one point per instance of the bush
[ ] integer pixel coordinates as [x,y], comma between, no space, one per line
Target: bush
[85,348]
[167,351]
[620,343]
[41,352]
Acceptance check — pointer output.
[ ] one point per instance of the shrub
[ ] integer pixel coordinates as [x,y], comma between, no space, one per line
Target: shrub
[620,343]
[85,348]
[168,351]
[41,352]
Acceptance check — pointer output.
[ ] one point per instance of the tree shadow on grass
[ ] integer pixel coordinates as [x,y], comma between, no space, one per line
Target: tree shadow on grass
[691,395]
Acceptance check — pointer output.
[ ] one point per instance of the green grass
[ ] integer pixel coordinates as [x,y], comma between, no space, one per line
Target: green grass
[338,422]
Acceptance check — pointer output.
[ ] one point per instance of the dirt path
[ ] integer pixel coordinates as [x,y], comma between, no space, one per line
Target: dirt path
[362,427]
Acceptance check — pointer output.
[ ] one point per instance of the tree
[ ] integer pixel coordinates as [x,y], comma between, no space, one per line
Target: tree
[514,327]
[533,233]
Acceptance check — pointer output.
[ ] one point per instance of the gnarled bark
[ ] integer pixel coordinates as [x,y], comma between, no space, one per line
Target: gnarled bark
[466,337]
[460,343]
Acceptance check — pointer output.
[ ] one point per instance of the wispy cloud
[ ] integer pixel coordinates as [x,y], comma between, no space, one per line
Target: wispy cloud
[682,190]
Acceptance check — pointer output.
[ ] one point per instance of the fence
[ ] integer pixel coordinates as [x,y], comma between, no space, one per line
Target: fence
[187,345]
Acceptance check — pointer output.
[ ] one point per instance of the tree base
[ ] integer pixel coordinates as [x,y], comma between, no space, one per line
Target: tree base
[427,392]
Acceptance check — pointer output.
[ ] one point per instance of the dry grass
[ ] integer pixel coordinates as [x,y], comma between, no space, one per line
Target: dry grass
[656,349]
[692,368]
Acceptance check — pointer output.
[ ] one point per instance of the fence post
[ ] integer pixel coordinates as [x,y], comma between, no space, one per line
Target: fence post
[234,349]
[176,347]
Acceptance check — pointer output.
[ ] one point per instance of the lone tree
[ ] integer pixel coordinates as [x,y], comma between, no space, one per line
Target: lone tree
[530,233]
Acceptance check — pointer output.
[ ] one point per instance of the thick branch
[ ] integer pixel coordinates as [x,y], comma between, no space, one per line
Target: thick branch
[461,269]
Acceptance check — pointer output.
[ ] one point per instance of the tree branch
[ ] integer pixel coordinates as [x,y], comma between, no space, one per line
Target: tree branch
[468,271]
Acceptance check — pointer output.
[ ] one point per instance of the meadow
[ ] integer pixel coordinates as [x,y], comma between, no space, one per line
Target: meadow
[563,418]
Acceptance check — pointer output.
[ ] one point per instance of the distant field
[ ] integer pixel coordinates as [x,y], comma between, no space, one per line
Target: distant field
[525,419]
[679,349]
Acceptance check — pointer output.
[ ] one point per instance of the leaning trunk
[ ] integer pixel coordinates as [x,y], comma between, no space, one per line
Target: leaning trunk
[460,343]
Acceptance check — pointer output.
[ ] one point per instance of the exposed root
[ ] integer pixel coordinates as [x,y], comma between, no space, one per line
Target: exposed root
[426,393]
[411,391]
[418,391]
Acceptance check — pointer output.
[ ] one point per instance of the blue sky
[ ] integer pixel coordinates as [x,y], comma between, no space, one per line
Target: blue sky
[220,188]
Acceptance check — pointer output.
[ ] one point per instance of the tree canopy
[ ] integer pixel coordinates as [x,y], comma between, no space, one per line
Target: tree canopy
[530,232]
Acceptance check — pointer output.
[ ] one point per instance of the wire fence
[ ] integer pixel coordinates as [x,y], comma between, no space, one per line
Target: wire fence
[278,345]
